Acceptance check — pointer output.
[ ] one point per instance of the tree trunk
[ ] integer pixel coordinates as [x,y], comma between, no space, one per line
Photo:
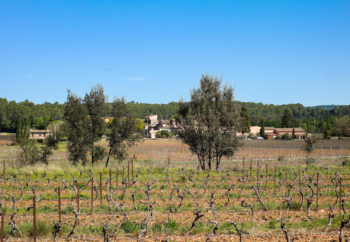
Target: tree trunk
[109,154]
[203,163]
[92,157]
[209,161]
[218,161]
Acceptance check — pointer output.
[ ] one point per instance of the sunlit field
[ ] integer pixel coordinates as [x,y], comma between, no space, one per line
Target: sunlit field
[160,195]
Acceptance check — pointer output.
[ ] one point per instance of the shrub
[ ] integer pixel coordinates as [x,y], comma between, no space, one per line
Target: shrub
[295,205]
[310,160]
[164,134]
[30,152]
[286,136]
[280,158]
[130,227]
[43,228]
[272,223]
[346,162]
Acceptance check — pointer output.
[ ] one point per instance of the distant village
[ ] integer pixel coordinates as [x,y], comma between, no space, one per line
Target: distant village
[153,126]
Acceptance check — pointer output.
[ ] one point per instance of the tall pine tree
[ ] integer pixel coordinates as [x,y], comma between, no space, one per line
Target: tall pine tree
[287,119]
[245,121]
[262,130]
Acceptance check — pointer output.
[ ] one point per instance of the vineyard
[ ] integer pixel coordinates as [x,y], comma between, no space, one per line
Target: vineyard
[165,198]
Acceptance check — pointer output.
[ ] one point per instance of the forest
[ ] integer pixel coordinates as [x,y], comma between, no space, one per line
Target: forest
[313,119]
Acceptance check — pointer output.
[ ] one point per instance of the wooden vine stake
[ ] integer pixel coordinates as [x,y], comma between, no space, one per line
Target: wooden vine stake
[110,179]
[317,177]
[299,179]
[100,188]
[341,195]
[78,201]
[59,205]
[267,167]
[2,226]
[92,195]
[34,219]
[116,178]
[251,167]
[274,183]
[243,163]
[123,173]
[4,171]
[132,168]
[128,171]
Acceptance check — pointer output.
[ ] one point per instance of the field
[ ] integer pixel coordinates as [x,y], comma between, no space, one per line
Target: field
[7,138]
[162,196]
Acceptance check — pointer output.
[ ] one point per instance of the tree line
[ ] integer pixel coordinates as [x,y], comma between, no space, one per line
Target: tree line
[331,119]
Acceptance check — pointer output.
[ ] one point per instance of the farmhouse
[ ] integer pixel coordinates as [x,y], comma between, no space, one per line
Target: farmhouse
[299,132]
[269,133]
[152,120]
[272,133]
[255,130]
[152,125]
[39,134]
[163,123]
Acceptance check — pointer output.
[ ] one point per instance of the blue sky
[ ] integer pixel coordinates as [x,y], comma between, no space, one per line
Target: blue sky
[155,51]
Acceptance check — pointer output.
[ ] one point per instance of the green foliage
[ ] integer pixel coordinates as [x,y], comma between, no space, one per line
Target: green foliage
[262,130]
[95,105]
[342,127]
[97,153]
[140,125]
[30,152]
[22,131]
[84,125]
[309,147]
[293,134]
[272,223]
[43,228]
[123,130]
[245,121]
[210,121]
[287,117]
[164,134]
[130,227]
[286,136]
[310,160]
[346,162]
[76,123]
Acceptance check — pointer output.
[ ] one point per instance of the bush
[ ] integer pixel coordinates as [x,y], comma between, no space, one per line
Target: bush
[346,162]
[43,228]
[280,158]
[286,136]
[30,152]
[310,160]
[272,223]
[130,227]
[164,134]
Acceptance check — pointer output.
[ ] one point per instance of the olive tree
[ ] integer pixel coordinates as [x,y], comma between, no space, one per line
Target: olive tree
[209,122]
[123,130]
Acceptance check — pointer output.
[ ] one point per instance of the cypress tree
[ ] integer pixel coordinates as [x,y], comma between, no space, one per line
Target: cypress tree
[22,130]
[262,130]
[287,119]
[245,121]
[293,134]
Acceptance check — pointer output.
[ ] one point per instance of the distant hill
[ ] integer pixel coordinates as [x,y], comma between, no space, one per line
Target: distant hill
[326,107]
[40,115]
